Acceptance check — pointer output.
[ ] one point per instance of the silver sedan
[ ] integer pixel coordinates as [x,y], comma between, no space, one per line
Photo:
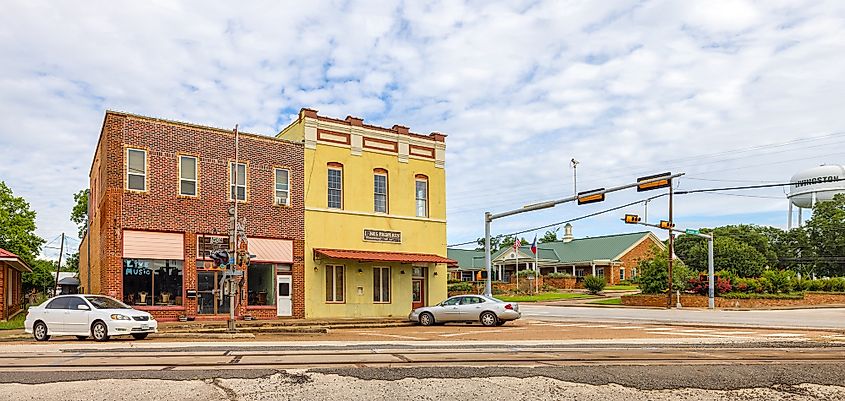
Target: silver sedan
[467,308]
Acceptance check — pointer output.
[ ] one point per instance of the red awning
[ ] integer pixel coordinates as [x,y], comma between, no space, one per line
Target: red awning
[14,261]
[376,256]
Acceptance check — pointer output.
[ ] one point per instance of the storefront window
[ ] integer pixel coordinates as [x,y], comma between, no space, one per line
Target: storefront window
[148,282]
[261,279]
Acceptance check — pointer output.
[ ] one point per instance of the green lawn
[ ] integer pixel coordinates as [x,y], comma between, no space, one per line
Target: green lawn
[609,301]
[14,323]
[622,288]
[543,296]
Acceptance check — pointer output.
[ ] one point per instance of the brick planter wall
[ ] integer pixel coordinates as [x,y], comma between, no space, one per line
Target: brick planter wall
[700,301]
[565,283]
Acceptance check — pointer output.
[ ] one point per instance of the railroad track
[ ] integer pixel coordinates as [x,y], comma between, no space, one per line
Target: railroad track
[255,359]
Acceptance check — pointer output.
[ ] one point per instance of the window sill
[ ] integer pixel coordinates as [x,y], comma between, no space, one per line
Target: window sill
[260,307]
[148,308]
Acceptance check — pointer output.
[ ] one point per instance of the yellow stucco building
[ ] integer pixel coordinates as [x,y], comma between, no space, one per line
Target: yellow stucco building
[375,217]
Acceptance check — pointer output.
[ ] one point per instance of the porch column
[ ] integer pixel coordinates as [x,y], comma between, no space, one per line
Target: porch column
[555,268]
[573,270]
[593,265]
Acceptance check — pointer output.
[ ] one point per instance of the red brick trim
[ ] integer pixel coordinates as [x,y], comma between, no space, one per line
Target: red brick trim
[421,151]
[326,136]
[368,143]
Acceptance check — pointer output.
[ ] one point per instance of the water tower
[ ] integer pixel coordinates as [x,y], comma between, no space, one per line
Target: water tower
[815,185]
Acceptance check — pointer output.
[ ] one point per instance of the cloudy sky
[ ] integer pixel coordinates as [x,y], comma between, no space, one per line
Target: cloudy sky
[731,93]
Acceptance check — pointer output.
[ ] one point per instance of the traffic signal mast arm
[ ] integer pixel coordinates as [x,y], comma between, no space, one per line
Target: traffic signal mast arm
[672,229]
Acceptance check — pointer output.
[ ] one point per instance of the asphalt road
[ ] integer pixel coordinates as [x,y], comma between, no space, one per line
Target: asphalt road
[821,318]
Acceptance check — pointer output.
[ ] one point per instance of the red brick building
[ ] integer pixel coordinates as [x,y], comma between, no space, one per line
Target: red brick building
[161,198]
[11,293]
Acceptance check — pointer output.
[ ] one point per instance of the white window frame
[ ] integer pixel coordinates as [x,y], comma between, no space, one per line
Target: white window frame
[333,297]
[144,175]
[600,272]
[621,273]
[276,189]
[329,189]
[376,194]
[195,180]
[417,199]
[381,295]
[233,186]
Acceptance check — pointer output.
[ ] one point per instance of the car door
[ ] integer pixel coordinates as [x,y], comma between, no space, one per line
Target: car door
[447,311]
[470,308]
[54,315]
[76,320]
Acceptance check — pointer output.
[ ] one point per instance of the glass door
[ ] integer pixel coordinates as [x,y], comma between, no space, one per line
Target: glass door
[210,298]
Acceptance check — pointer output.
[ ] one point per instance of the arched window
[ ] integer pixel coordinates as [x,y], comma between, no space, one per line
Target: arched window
[380,198]
[421,195]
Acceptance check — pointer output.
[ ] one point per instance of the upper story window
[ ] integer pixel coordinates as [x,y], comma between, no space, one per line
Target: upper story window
[187,176]
[335,186]
[237,181]
[422,195]
[136,169]
[282,187]
[380,190]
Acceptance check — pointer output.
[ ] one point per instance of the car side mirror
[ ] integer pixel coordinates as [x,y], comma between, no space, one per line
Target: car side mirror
[83,307]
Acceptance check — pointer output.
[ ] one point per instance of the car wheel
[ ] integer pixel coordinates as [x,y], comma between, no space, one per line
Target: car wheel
[39,331]
[140,336]
[489,319]
[100,331]
[81,338]
[426,319]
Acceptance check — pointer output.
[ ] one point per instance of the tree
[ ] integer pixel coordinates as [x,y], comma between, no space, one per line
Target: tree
[825,231]
[72,263]
[549,236]
[17,226]
[594,284]
[79,213]
[42,277]
[499,242]
[654,273]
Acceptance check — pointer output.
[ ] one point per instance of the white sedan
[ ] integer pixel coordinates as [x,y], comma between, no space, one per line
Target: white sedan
[82,316]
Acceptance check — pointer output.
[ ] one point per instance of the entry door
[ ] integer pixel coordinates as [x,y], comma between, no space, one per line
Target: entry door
[284,306]
[417,293]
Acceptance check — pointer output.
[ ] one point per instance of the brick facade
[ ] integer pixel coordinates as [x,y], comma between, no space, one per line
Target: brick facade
[161,208]
[643,250]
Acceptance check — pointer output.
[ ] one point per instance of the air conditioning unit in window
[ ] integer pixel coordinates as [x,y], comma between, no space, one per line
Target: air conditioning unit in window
[281,201]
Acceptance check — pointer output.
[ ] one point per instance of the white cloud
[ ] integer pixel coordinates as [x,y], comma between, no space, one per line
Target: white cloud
[628,88]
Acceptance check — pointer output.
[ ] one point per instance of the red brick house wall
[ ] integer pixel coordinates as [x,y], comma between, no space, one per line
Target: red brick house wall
[161,208]
[643,250]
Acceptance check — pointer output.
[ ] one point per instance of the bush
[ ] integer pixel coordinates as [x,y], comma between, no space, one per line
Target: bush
[526,273]
[701,285]
[460,286]
[594,284]
[777,281]
[558,275]
[742,295]
[452,281]
[625,282]
[654,274]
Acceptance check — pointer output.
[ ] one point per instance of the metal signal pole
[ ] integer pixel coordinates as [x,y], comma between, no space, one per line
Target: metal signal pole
[231,323]
[59,267]
[671,246]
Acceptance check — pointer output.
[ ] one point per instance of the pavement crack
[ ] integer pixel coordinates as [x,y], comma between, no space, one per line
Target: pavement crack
[230,394]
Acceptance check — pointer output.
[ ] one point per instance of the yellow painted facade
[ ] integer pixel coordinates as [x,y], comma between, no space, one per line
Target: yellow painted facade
[330,142]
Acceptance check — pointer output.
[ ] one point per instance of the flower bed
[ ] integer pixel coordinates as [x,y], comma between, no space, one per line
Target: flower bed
[739,301]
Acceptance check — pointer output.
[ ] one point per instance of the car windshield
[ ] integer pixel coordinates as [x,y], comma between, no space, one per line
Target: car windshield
[106,303]
[493,299]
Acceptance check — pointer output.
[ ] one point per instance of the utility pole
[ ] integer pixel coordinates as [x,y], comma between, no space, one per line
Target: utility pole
[59,267]
[671,247]
[234,245]
[574,164]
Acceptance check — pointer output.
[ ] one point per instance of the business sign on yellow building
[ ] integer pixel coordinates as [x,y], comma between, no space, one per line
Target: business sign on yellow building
[375,217]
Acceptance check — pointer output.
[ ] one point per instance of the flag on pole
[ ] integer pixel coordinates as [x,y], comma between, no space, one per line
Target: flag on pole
[534,245]
[517,244]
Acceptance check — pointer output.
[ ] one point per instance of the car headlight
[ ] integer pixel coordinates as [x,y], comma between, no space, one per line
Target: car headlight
[120,317]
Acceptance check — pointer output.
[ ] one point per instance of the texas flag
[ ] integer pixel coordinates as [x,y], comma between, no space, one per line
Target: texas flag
[534,245]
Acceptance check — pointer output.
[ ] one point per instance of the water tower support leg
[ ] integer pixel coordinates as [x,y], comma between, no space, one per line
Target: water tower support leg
[789,221]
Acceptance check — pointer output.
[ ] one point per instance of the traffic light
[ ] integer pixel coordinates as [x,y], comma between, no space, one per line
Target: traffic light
[648,186]
[593,196]
[666,225]
[632,219]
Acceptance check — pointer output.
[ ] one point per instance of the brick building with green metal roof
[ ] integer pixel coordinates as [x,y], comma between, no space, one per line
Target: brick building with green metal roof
[613,257]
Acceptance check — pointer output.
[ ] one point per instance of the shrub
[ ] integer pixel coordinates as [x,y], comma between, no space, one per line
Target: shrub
[460,286]
[625,282]
[701,285]
[452,281]
[526,273]
[558,275]
[742,295]
[778,281]
[654,274]
[837,284]
[594,284]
